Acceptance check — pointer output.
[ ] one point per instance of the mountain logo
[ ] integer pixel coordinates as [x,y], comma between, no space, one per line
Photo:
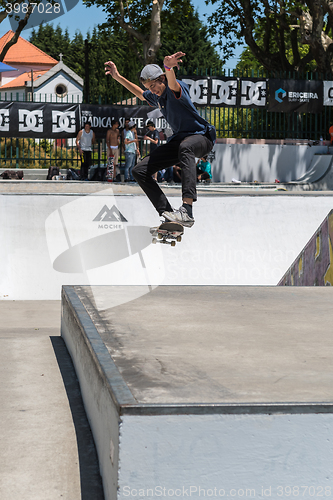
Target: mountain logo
[110,215]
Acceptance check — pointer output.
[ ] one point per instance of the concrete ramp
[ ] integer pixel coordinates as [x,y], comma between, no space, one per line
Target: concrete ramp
[206,391]
[314,265]
[319,167]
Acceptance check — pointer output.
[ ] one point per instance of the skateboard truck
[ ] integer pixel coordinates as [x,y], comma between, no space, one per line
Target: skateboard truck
[168,233]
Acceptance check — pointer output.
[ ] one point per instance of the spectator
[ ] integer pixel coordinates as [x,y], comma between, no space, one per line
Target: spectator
[153,137]
[112,143]
[204,171]
[131,150]
[84,141]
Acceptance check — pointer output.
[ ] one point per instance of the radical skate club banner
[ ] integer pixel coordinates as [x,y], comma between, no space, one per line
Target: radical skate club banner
[101,118]
[24,119]
[227,91]
[303,96]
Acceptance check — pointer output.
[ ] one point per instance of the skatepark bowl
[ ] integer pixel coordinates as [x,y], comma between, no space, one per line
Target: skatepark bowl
[204,369]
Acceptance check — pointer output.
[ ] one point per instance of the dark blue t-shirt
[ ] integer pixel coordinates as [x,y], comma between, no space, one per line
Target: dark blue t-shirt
[153,134]
[180,113]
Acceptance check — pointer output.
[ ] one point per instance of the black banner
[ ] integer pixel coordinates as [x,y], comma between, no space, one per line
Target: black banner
[102,116]
[43,120]
[303,96]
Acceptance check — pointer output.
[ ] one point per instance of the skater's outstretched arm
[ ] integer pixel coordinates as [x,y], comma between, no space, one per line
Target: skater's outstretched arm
[171,62]
[111,69]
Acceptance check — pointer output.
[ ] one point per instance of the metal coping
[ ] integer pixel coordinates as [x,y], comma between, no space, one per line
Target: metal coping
[128,405]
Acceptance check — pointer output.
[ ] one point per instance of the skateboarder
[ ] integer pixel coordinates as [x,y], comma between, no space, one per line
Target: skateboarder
[192,135]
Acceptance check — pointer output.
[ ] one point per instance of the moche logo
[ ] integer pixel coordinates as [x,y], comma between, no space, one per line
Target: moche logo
[110,215]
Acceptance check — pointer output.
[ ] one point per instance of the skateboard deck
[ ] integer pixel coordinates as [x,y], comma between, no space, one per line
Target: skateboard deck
[168,233]
[110,169]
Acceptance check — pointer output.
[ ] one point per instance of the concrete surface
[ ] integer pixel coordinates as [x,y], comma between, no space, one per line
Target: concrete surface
[55,188]
[47,451]
[215,344]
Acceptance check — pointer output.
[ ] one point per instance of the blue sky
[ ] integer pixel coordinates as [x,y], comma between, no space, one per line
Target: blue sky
[84,19]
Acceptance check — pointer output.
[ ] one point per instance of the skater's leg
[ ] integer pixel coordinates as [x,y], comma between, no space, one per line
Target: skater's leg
[191,147]
[162,157]
[194,146]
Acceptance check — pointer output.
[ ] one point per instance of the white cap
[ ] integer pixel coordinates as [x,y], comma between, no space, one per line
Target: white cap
[151,72]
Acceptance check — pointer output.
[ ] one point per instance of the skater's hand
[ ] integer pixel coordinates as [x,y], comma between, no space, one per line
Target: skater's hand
[174,60]
[111,69]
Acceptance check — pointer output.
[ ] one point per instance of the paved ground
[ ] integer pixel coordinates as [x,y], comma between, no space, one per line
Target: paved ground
[47,450]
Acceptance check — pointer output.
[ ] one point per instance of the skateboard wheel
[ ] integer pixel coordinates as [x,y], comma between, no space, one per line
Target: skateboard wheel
[154,240]
[179,238]
[173,243]
[159,236]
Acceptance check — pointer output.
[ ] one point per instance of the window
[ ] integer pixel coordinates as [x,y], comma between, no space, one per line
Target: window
[61,90]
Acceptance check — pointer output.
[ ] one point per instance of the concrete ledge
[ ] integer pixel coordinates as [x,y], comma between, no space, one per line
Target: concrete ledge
[95,372]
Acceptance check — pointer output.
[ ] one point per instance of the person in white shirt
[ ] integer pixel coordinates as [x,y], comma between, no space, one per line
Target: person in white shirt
[84,141]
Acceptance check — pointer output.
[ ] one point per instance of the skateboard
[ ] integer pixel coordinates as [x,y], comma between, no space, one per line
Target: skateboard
[110,169]
[167,233]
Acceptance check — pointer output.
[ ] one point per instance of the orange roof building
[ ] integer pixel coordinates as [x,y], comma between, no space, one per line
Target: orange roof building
[24,53]
[49,75]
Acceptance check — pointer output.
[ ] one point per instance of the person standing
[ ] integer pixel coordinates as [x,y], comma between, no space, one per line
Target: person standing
[84,141]
[112,143]
[193,137]
[131,150]
[153,137]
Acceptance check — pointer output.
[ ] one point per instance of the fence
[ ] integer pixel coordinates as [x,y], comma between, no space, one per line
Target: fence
[229,122]
[43,153]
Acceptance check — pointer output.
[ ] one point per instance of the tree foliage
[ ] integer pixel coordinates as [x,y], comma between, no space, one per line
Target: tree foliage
[102,46]
[281,35]
[143,21]
[191,37]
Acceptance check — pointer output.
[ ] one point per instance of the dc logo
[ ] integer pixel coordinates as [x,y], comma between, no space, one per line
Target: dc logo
[280,92]
[30,120]
[253,93]
[63,121]
[198,90]
[4,120]
[224,92]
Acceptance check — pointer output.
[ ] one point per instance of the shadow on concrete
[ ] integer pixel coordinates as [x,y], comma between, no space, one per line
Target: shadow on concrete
[91,481]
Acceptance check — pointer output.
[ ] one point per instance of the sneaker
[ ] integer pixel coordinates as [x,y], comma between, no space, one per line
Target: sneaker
[180,216]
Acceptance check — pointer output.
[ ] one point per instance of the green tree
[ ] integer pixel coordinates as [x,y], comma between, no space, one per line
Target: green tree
[191,37]
[286,35]
[142,21]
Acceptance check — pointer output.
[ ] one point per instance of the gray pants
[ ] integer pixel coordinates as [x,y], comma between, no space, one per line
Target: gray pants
[176,152]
